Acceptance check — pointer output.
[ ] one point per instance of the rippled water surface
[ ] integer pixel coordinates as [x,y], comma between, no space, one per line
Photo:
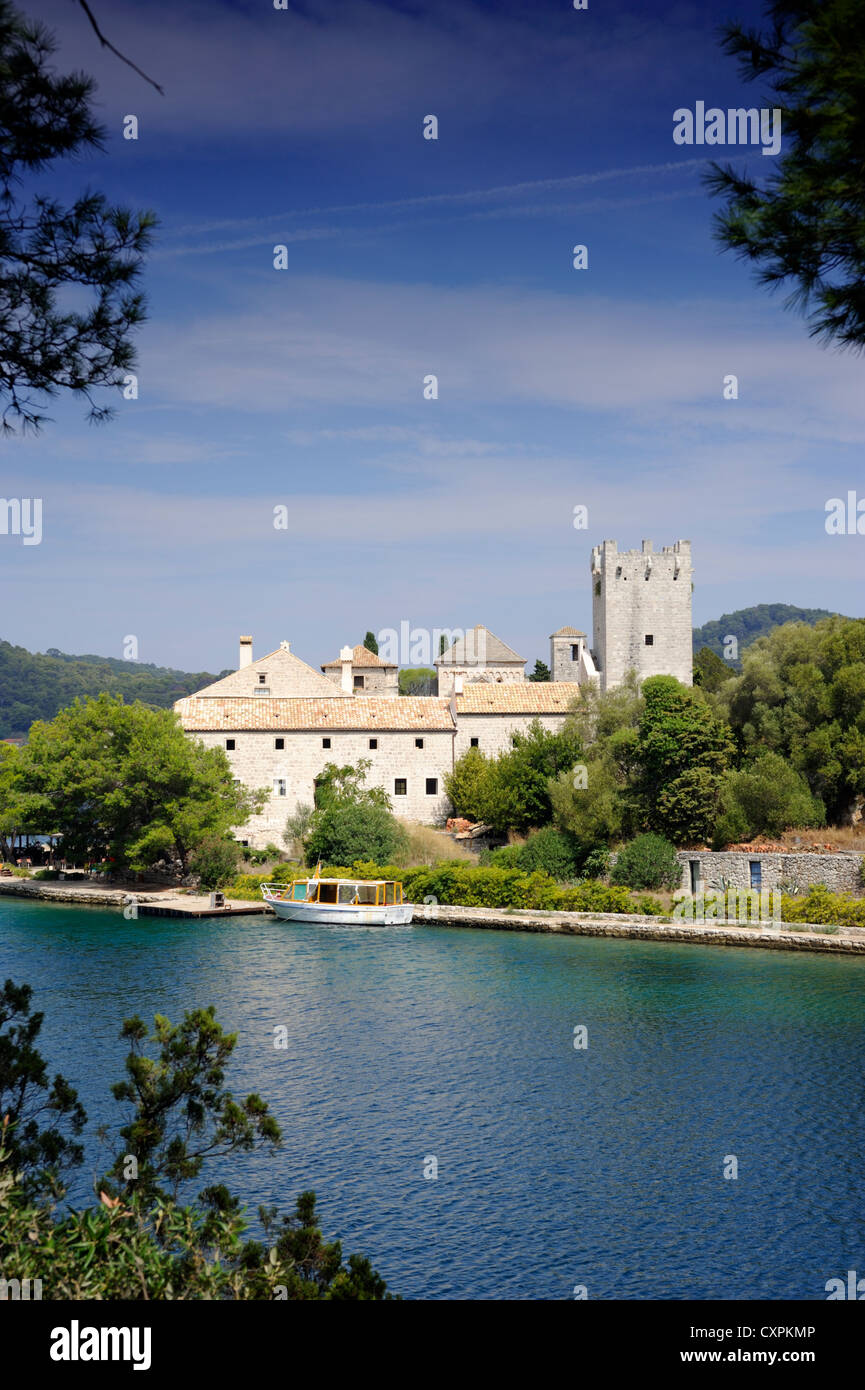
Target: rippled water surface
[556,1167]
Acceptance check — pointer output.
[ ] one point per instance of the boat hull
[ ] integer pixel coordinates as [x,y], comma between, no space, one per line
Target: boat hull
[344,914]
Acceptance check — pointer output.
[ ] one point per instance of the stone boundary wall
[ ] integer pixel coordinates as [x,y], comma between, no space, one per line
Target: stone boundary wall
[840,871]
[807,937]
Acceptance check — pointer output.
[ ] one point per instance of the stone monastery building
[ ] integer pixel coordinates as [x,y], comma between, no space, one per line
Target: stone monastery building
[280,721]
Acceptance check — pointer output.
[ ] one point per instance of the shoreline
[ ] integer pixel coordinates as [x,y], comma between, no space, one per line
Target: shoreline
[166,902]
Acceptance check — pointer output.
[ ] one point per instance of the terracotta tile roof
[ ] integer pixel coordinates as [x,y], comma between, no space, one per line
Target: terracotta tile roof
[348,712]
[568,632]
[517,697]
[362,656]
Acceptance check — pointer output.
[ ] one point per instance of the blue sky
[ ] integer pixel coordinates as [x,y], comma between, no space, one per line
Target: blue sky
[304,387]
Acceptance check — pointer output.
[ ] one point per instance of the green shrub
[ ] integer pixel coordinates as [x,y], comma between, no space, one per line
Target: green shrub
[215,862]
[39,873]
[819,905]
[553,851]
[347,832]
[647,862]
[457,884]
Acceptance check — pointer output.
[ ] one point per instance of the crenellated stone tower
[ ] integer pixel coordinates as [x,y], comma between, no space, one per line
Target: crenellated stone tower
[641,612]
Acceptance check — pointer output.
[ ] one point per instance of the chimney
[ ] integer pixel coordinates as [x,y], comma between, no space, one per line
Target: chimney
[285,646]
[245,653]
[346,657]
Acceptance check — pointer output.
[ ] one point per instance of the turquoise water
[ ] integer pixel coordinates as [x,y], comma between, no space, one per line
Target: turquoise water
[556,1167]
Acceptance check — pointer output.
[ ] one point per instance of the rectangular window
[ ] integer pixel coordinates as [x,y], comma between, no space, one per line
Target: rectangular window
[262,678]
[229,745]
[650,640]
[279,743]
[373,743]
[280,787]
[325,743]
[475,743]
[756,867]
[695,875]
[261,690]
[400,786]
[358,682]
[418,743]
[432,786]
[575,652]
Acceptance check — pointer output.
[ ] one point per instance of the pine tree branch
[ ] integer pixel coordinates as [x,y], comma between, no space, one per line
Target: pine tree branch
[106,44]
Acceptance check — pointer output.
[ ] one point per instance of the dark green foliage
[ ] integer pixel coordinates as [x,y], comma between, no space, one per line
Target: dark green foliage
[39,686]
[370,643]
[802,694]
[683,750]
[42,1117]
[215,860]
[138,1243]
[803,224]
[767,797]
[47,248]
[647,862]
[541,672]
[418,680]
[346,833]
[125,783]
[747,624]
[351,821]
[181,1113]
[512,791]
[551,851]
[710,671]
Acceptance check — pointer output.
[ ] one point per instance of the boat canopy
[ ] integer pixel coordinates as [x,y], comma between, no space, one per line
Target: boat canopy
[348,892]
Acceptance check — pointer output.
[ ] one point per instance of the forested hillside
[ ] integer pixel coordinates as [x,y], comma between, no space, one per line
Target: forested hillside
[35,685]
[747,624]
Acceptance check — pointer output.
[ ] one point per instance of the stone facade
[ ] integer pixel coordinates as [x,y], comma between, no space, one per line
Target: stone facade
[570,658]
[283,745]
[359,671]
[280,721]
[490,714]
[641,612]
[740,869]
[411,776]
[478,656]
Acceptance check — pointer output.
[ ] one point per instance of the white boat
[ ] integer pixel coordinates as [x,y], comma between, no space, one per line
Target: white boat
[343,901]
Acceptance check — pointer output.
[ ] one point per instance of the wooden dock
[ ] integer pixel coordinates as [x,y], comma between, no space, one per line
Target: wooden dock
[246,910]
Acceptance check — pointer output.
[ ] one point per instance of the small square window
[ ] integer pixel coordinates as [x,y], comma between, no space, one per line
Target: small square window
[475,743]
[262,678]
[325,743]
[373,743]
[279,743]
[418,743]
[400,786]
[650,641]
[358,682]
[432,786]
[229,745]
